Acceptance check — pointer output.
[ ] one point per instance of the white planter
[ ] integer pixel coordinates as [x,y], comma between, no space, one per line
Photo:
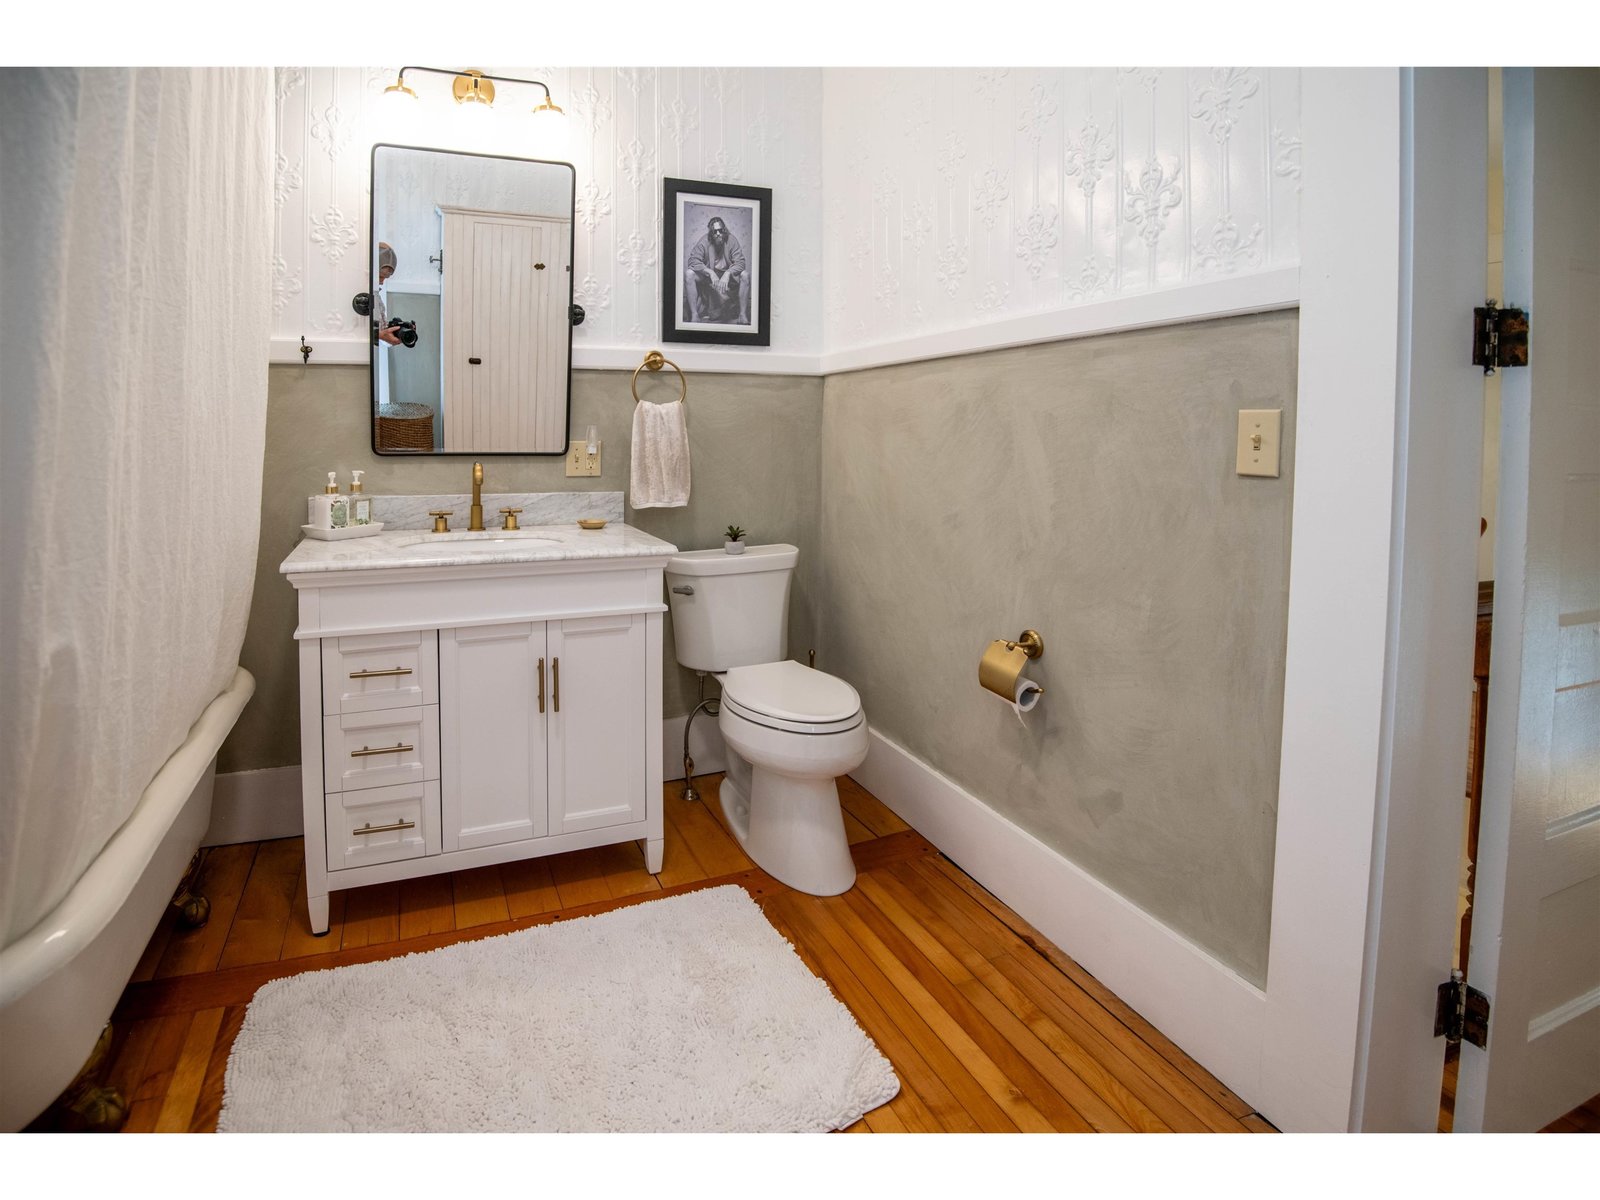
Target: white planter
[733,547]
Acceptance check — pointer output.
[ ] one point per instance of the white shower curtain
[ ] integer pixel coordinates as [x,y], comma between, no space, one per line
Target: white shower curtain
[135,295]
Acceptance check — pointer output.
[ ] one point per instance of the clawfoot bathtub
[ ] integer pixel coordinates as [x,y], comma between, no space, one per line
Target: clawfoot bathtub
[61,979]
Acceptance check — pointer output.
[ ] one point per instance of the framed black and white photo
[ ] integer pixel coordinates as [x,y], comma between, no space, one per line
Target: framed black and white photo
[717,270]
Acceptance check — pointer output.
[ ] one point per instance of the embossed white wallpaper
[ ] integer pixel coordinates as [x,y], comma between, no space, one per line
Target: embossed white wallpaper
[958,197]
[907,201]
[625,129]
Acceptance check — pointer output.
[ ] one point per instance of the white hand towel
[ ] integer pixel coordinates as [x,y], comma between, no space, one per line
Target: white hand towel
[659,475]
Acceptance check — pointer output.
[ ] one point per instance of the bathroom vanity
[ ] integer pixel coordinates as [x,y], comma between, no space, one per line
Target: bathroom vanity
[469,699]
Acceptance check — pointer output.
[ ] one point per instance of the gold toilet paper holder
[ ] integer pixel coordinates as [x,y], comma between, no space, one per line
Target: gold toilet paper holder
[1000,669]
[1030,643]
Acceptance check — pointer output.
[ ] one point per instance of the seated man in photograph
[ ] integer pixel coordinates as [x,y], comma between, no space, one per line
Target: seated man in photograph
[716,280]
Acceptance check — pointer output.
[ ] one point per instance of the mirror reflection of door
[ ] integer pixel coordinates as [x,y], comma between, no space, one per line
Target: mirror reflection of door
[503,319]
[477,256]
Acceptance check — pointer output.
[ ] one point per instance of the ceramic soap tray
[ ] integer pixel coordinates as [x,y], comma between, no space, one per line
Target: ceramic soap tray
[339,535]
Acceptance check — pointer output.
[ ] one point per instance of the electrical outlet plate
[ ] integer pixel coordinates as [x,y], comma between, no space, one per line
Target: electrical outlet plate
[580,461]
[1258,441]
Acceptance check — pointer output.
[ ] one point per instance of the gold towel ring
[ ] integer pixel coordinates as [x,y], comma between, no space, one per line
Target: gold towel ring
[654,362]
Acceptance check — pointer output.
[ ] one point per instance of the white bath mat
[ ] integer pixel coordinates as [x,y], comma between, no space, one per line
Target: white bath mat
[686,1014]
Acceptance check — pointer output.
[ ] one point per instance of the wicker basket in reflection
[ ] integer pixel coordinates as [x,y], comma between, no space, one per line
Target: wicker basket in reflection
[405,427]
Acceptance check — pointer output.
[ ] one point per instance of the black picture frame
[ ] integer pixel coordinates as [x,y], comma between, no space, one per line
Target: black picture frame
[712,308]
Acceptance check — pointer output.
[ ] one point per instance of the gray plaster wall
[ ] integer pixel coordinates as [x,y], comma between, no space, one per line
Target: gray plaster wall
[754,444]
[1085,489]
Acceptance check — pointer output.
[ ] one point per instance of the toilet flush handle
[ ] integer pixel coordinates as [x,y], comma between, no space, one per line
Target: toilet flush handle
[683,589]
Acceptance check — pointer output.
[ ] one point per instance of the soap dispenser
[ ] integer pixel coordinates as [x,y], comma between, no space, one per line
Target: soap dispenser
[360,502]
[338,505]
[330,510]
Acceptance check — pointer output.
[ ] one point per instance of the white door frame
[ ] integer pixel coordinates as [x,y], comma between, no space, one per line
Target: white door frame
[1412,908]
[1339,594]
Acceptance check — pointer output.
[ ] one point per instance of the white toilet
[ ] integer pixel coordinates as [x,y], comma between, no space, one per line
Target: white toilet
[790,730]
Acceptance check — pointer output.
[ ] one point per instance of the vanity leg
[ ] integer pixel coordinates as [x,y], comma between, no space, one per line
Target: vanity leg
[317,906]
[653,849]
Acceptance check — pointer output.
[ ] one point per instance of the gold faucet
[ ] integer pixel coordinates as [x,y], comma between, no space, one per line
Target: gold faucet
[476,522]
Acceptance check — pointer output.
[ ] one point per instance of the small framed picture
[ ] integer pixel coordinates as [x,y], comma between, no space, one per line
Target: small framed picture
[717,283]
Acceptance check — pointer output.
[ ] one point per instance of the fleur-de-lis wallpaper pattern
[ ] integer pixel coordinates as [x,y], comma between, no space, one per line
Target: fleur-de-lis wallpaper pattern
[928,199]
[1035,189]
[624,130]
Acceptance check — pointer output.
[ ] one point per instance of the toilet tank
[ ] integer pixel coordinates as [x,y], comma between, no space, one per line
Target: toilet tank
[730,610]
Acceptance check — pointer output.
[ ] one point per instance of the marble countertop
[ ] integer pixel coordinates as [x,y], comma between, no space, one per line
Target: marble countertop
[417,548]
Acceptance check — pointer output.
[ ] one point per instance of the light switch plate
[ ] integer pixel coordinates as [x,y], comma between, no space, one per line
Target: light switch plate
[1259,430]
[580,461]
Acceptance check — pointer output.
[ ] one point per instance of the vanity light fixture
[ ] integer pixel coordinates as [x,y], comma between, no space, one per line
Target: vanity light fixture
[474,88]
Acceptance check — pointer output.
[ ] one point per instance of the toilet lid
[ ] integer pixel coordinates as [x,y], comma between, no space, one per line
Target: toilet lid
[788,691]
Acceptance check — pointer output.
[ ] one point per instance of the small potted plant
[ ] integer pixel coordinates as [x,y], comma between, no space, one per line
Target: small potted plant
[735,540]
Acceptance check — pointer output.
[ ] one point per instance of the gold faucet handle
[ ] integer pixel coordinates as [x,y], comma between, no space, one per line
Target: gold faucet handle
[510,515]
[440,525]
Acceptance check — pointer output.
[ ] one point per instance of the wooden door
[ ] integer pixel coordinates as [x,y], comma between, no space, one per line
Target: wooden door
[1536,911]
[506,336]
[549,427]
[597,733]
[494,764]
[506,312]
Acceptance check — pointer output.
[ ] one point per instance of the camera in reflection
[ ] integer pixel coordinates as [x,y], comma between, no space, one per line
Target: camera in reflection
[406,331]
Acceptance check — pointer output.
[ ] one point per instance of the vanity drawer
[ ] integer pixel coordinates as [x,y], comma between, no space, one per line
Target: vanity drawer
[382,825]
[378,749]
[374,671]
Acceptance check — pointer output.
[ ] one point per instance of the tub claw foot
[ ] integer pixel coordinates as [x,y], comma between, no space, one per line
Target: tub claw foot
[88,1104]
[101,1109]
[194,910]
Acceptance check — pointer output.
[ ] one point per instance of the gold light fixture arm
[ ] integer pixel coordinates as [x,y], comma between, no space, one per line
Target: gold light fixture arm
[475,87]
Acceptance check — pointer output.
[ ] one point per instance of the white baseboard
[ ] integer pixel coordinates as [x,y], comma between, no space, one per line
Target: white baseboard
[1209,1010]
[255,806]
[705,746]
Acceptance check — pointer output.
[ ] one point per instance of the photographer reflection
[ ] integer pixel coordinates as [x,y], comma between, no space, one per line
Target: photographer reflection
[395,332]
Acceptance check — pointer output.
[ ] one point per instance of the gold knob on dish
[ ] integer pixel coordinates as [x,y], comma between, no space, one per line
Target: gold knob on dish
[510,515]
[440,525]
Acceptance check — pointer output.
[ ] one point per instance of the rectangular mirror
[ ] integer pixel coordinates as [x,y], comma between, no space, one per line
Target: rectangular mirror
[471,303]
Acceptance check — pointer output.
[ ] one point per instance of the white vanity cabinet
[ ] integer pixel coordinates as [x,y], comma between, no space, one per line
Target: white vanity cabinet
[457,712]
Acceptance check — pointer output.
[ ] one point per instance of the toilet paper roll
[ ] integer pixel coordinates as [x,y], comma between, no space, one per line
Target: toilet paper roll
[1000,672]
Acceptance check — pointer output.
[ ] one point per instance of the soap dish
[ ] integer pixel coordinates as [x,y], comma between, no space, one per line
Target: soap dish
[339,535]
[591,523]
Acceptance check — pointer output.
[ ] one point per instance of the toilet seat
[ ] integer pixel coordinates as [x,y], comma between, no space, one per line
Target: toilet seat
[791,697]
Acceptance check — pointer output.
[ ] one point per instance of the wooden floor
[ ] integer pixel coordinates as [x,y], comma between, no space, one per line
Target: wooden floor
[989,1027]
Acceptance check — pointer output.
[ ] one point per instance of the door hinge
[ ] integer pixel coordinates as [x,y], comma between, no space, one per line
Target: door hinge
[1499,337]
[1462,1013]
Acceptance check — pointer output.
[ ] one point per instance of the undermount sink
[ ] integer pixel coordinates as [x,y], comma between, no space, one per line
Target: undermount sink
[444,545]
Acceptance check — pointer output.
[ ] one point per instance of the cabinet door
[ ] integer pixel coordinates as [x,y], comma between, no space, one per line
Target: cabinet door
[493,734]
[597,736]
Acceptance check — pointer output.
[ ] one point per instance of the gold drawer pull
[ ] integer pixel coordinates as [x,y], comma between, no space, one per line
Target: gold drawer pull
[367,752]
[376,674]
[555,672]
[398,825]
[541,685]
